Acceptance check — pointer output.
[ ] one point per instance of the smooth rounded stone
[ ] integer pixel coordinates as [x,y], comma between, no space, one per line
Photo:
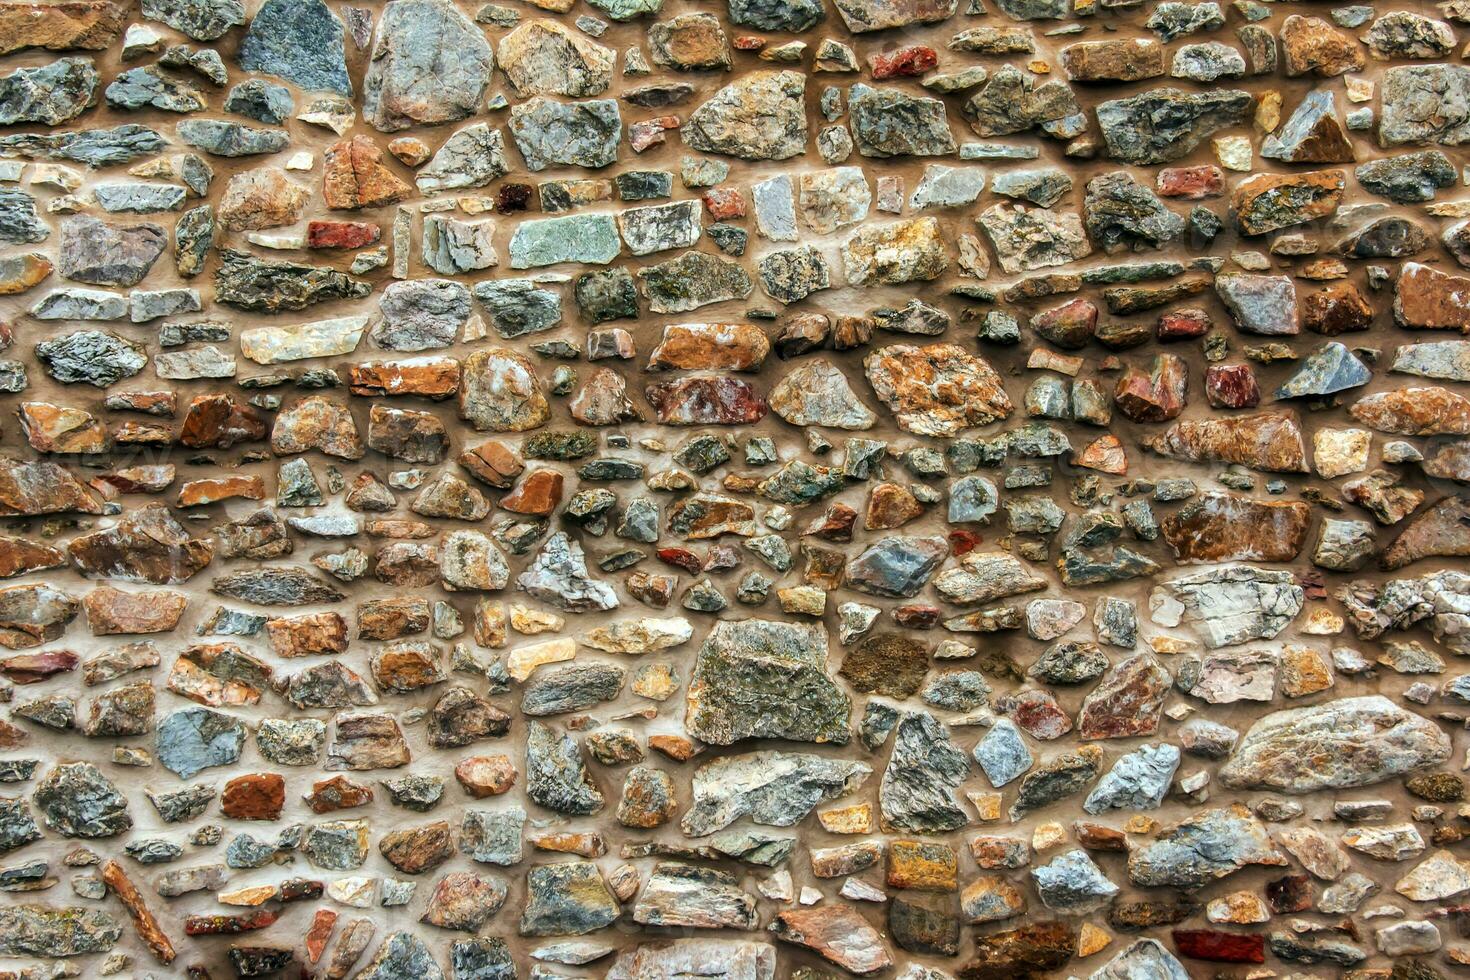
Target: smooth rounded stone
[49,94]
[764,679]
[77,800]
[759,117]
[1073,884]
[301,42]
[549,133]
[1002,753]
[543,57]
[1354,742]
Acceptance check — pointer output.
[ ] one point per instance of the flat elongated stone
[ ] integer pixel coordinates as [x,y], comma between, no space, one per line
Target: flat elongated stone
[1338,745]
[838,934]
[772,788]
[1225,527]
[1229,605]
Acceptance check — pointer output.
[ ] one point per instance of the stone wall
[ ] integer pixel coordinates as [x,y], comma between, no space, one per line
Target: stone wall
[743,489]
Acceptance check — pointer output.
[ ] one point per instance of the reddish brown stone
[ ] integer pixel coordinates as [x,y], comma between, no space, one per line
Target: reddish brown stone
[676,747]
[838,934]
[724,203]
[256,796]
[963,542]
[1289,893]
[143,434]
[834,525]
[418,849]
[147,545]
[1104,454]
[1231,386]
[111,611]
[906,62]
[90,25]
[341,234]
[889,506]
[19,556]
[486,775]
[399,433]
[917,616]
[427,377]
[51,428]
[218,421]
[134,479]
[355,176]
[537,495]
[1069,326]
[365,742]
[1336,309]
[1185,324]
[1428,299]
[317,423]
[1096,837]
[1219,527]
[713,400]
[1127,702]
[1314,46]
[1220,947]
[315,942]
[1155,397]
[211,490]
[117,882]
[1191,183]
[1035,950]
[710,347]
[33,668]
[217,674]
[161,403]
[492,463]
[229,925]
[307,636]
[337,793]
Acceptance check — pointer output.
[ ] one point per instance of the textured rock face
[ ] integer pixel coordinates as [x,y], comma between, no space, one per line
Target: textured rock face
[1339,745]
[541,489]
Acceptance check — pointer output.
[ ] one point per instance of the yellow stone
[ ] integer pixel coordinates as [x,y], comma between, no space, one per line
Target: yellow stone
[1048,835]
[803,600]
[254,895]
[1323,622]
[1268,111]
[1303,671]
[1164,643]
[1091,939]
[523,661]
[1234,153]
[524,619]
[987,805]
[656,682]
[1338,452]
[1140,824]
[855,819]
[1238,908]
[1358,89]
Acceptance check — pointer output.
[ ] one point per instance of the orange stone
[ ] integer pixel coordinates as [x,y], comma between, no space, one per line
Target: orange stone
[211,490]
[492,463]
[307,636]
[538,494]
[356,177]
[256,796]
[486,775]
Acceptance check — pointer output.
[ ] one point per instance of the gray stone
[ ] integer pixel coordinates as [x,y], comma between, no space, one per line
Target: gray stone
[93,147]
[203,20]
[1202,849]
[917,792]
[471,157]
[49,94]
[659,227]
[76,800]
[421,314]
[230,139]
[1073,884]
[193,739]
[889,123]
[300,41]
[1408,89]
[1166,124]
[1002,753]
[409,80]
[582,134]
[1229,605]
[772,788]
[90,356]
[587,238]
[759,117]
[103,254]
[1137,781]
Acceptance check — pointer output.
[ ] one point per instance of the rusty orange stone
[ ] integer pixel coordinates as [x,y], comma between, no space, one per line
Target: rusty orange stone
[111,611]
[492,463]
[117,882]
[307,636]
[341,234]
[317,935]
[218,421]
[486,775]
[256,796]
[676,747]
[922,865]
[337,793]
[427,377]
[891,505]
[710,347]
[355,176]
[537,495]
[211,490]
